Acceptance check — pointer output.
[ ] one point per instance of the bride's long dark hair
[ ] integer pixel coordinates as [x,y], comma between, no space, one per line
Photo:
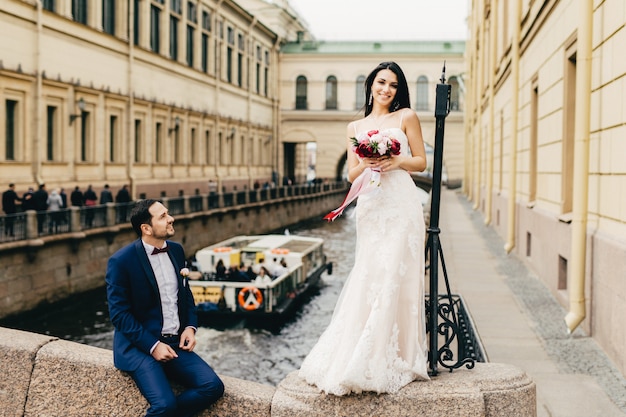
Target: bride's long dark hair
[401,100]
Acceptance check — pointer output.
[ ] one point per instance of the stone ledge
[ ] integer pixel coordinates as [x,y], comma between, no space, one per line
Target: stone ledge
[17,357]
[45,376]
[488,390]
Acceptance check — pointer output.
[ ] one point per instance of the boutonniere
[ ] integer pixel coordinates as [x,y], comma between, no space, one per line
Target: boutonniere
[185,274]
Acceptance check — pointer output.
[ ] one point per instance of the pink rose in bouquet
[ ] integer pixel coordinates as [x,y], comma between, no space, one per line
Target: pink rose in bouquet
[374,144]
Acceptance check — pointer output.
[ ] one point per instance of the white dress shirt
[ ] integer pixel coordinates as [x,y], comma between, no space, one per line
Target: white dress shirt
[167,282]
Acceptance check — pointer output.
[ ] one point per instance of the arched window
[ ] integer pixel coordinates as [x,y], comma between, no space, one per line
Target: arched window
[422,93]
[301,99]
[360,92]
[331,93]
[455,102]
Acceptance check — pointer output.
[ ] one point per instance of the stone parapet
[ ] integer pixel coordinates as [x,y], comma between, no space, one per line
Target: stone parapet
[45,376]
[487,390]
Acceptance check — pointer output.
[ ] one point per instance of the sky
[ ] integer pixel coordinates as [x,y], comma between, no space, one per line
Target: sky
[385,19]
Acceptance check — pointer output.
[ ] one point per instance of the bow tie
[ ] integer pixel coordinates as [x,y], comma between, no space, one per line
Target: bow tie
[157,250]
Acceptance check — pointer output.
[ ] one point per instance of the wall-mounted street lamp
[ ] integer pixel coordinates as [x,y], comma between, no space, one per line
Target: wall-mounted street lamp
[176,123]
[81,106]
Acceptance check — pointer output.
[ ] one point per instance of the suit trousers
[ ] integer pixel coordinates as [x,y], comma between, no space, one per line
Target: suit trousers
[203,386]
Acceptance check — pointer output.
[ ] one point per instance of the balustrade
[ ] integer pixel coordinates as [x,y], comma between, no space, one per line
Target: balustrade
[33,224]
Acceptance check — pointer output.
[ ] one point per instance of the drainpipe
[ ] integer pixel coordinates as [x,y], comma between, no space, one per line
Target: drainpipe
[471,108]
[36,166]
[216,102]
[275,91]
[250,150]
[130,151]
[477,151]
[492,66]
[578,256]
[510,242]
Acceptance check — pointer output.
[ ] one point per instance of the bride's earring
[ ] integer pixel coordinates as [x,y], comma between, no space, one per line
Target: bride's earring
[370,100]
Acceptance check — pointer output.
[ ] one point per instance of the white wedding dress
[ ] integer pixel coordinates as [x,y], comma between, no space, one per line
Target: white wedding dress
[376,340]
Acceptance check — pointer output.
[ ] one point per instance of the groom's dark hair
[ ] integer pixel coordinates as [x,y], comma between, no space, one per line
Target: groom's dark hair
[140,214]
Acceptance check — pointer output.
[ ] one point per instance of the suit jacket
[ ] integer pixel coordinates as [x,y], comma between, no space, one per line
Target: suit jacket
[135,303]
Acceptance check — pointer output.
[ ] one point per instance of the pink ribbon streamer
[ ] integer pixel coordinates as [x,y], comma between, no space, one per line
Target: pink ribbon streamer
[363,184]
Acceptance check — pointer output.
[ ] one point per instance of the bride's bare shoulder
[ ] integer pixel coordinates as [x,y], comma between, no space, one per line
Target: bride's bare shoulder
[353,125]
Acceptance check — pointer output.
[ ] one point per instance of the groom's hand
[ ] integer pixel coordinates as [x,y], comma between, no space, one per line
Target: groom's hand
[188,339]
[163,352]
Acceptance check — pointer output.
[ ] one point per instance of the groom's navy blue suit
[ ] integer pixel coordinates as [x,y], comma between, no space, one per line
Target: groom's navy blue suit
[136,313]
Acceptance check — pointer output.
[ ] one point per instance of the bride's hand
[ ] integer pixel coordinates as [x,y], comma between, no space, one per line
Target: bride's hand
[389,162]
[378,162]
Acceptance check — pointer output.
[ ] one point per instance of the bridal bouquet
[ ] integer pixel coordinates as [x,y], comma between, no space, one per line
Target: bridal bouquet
[372,144]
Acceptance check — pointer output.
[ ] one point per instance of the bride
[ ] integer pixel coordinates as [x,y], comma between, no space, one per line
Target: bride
[376,340]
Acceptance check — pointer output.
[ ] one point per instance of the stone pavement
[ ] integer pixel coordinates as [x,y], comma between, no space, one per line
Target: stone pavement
[520,322]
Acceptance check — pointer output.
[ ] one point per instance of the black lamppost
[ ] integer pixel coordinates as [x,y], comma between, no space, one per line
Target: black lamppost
[445,306]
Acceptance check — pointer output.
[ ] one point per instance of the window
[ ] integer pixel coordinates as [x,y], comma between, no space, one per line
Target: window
[205,53]
[206,21]
[193,146]
[79,11]
[173,37]
[176,6]
[108,16]
[301,93]
[258,69]
[455,102]
[112,138]
[190,35]
[138,141]
[49,5]
[11,130]
[220,149]
[331,93]
[155,31]
[84,136]
[158,145]
[229,55]
[50,132]
[207,147]
[241,46]
[192,12]
[360,92]
[258,78]
[266,73]
[422,93]
[136,23]
[204,49]
[177,150]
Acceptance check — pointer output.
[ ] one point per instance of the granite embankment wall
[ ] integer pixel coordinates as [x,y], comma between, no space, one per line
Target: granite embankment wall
[47,377]
[51,268]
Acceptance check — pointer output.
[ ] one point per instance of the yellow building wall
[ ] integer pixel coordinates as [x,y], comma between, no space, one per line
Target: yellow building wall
[542,228]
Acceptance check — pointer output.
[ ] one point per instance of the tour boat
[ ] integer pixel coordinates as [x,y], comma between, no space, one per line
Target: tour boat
[220,297]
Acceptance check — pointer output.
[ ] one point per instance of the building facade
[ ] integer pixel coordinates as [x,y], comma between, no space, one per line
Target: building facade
[545,146]
[322,90]
[162,95]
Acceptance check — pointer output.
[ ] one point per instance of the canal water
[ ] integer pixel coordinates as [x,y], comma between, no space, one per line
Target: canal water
[251,354]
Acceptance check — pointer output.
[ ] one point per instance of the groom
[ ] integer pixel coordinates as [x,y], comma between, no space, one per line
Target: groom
[153,312]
